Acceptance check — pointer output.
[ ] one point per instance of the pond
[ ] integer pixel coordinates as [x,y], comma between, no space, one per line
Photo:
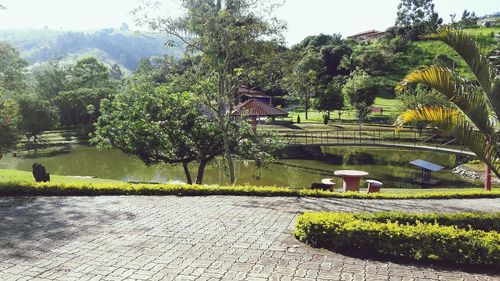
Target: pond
[385,164]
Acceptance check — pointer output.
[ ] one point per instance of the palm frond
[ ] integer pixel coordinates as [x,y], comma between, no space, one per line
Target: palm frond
[457,125]
[466,46]
[468,98]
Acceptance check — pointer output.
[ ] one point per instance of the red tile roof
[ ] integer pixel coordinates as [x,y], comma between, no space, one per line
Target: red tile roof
[253,107]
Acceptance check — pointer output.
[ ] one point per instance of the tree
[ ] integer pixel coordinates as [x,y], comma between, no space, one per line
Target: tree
[360,91]
[160,126]
[330,98]
[476,107]
[12,70]
[415,97]
[87,83]
[226,35]
[416,17]
[302,82]
[411,12]
[37,115]
[50,80]
[116,72]
[469,19]
[81,106]
[8,123]
[88,73]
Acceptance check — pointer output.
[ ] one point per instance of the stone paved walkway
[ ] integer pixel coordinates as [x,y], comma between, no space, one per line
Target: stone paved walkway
[194,238]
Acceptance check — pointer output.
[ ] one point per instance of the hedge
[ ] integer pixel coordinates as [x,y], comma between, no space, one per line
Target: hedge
[466,220]
[90,189]
[415,240]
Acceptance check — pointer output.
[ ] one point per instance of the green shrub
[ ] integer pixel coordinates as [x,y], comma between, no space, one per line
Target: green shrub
[478,221]
[417,240]
[91,189]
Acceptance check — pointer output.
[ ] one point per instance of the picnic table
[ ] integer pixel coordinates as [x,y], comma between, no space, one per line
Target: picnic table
[351,179]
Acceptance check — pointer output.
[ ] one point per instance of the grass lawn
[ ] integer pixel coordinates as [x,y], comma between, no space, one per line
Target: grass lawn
[22,176]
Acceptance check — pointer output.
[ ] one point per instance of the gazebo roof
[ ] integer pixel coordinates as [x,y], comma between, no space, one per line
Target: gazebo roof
[255,108]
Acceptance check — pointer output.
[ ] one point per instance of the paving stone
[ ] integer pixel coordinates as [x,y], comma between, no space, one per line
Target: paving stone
[194,238]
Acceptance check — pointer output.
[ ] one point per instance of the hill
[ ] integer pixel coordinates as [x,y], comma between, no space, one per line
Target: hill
[110,46]
[430,49]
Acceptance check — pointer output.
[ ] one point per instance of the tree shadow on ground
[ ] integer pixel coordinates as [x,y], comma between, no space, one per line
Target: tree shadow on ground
[30,226]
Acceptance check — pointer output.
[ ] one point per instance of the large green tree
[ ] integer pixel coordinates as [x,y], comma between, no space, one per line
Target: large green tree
[302,82]
[226,35]
[37,115]
[330,98]
[161,126]
[8,123]
[50,79]
[360,91]
[12,70]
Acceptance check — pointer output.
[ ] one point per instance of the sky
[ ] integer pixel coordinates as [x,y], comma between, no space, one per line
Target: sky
[303,17]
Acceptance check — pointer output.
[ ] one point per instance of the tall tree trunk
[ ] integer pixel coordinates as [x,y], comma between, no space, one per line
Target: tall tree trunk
[229,157]
[306,105]
[201,172]
[186,171]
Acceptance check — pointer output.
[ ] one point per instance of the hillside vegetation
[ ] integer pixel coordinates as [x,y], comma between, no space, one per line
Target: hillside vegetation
[430,49]
[110,46]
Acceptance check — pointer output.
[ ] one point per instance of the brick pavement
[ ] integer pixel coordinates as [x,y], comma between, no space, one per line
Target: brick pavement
[194,238]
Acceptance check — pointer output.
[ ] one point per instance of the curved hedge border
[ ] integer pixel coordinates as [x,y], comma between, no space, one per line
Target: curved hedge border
[86,189]
[412,239]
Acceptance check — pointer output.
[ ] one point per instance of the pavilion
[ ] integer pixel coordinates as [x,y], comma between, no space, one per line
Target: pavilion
[255,109]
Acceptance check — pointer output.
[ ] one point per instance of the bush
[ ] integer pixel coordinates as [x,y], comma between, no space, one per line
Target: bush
[478,221]
[412,239]
[89,189]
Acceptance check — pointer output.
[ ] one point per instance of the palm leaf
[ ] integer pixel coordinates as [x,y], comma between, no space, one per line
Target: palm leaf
[457,125]
[466,46]
[469,98]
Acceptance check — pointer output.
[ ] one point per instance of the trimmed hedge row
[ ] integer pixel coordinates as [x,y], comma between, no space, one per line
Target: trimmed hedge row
[416,240]
[87,189]
[467,220]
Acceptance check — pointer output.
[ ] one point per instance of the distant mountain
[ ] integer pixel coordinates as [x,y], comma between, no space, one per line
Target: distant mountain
[110,46]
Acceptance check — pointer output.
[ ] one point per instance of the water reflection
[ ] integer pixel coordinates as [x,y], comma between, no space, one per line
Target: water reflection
[388,165]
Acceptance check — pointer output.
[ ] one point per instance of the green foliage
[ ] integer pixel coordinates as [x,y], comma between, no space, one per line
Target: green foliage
[12,70]
[374,58]
[476,104]
[469,19]
[25,188]
[88,73]
[8,123]
[478,221]
[302,82]
[81,105]
[37,115]
[330,98]
[360,91]
[409,238]
[50,79]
